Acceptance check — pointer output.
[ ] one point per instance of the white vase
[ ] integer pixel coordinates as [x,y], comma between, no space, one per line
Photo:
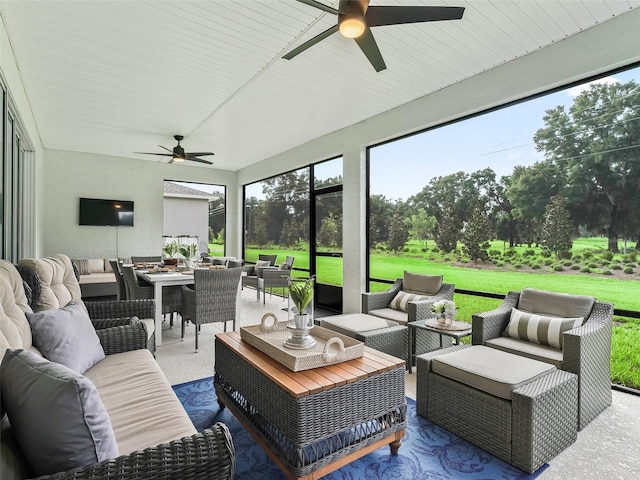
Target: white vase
[188,263]
[441,318]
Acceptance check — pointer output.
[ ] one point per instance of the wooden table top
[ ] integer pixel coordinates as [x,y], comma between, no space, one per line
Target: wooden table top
[307,382]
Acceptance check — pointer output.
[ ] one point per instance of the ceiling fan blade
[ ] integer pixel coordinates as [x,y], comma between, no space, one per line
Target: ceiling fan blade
[310,43]
[149,153]
[379,16]
[198,154]
[321,6]
[166,148]
[369,47]
[201,160]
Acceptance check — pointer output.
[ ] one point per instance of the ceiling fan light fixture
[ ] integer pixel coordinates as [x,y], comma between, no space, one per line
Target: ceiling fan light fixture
[352,26]
[178,159]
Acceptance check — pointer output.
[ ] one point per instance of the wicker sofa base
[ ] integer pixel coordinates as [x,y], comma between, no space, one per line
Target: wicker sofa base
[310,433]
[538,423]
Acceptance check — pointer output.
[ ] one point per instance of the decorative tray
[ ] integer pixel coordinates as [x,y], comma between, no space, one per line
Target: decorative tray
[331,347]
[453,326]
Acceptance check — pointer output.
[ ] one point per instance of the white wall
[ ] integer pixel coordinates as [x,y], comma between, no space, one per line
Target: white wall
[71,175]
[607,46]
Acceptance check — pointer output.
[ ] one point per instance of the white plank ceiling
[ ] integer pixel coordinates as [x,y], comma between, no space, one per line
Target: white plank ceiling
[116,77]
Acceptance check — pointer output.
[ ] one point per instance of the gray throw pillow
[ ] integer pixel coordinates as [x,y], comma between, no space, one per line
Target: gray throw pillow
[66,335]
[56,414]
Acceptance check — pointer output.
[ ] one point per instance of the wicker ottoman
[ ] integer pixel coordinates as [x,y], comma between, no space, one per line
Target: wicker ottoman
[375,332]
[520,410]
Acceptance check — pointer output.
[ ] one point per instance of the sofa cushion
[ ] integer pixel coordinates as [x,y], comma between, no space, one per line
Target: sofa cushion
[555,304]
[397,316]
[103,277]
[56,414]
[14,327]
[143,409]
[523,348]
[83,266]
[540,329]
[421,283]
[490,370]
[402,298]
[59,285]
[96,265]
[66,336]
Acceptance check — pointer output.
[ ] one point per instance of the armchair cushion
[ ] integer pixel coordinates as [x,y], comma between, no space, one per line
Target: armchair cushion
[66,336]
[402,298]
[397,316]
[262,264]
[527,349]
[421,284]
[56,414]
[58,282]
[555,304]
[539,329]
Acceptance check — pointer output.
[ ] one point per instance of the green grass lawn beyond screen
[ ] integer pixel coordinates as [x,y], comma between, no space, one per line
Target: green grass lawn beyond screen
[623,293]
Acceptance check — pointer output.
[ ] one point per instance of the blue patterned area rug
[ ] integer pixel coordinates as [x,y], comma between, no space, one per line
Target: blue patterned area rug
[427,451]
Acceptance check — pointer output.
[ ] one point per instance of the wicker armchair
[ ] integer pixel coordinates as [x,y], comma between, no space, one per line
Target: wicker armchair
[378,303]
[586,350]
[214,298]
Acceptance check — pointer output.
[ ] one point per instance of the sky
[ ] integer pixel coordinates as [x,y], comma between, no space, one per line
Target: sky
[501,140]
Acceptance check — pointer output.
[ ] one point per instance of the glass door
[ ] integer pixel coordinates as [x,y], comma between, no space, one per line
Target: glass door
[326,234]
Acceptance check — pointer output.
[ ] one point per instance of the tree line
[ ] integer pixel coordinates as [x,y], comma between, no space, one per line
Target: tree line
[587,184]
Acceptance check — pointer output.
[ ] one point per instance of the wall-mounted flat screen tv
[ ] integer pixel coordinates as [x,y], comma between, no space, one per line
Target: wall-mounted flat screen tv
[102,212]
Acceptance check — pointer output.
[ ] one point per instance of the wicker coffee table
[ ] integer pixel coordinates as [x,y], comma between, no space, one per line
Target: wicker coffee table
[314,421]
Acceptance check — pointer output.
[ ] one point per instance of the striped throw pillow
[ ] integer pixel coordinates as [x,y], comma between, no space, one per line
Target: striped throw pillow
[83,266]
[401,300]
[539,329]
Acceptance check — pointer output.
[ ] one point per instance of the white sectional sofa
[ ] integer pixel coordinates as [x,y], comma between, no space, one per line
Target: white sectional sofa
[96,277]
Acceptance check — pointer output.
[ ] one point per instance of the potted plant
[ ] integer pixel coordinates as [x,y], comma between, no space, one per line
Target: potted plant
[301,294]
[445,311]
[170,250]
[189,251]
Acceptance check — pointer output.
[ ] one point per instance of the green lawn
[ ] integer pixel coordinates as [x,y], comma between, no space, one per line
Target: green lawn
[623,293]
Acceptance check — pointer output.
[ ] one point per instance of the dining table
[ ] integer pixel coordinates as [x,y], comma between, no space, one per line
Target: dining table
[159,280]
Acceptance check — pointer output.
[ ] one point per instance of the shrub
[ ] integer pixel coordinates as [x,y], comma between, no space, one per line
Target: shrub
[435,250]
[633,256]
[564,255]
[593,265]
[577,257]
[535,266]
[607,272]
[585,270]
[558,268]
[529,252]
[606,256]
[494,253]
[567,263]
[517,265]
[545,253]
[510,253]
[628,270]
[548,262]
[499,264]
[575,267]
[587,254]
[626,260]
[446,259]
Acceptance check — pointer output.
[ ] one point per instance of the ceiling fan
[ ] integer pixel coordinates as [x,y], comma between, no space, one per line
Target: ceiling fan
[178,154]
[355,17]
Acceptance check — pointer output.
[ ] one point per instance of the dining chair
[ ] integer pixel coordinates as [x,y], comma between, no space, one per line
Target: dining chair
[122,288]
[147,259]
[214,298]
[171,295]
